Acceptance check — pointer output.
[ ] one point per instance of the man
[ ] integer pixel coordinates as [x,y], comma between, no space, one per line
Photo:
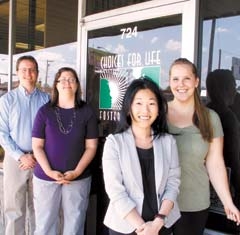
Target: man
[17,112]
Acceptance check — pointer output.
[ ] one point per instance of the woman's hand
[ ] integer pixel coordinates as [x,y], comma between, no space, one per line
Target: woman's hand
[232,213]
[70,175]
[67,177]
[150,227]
[62,178]
[56,175]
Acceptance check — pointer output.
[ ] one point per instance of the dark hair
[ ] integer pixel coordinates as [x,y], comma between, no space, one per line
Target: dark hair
[55,95]
[159,126]
[221,88]
[201,117]
[26,57]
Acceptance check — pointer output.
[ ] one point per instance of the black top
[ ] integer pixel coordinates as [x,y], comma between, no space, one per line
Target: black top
[150,208]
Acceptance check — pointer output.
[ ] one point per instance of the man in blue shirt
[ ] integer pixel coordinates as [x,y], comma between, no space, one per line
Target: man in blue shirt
[17,112]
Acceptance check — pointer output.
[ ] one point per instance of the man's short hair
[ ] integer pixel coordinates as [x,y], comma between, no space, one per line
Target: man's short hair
[26,57]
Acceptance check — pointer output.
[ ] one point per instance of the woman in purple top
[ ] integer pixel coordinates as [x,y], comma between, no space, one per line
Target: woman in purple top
[64,143]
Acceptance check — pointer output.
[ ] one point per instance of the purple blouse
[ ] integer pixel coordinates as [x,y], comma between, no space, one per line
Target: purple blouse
[64,150]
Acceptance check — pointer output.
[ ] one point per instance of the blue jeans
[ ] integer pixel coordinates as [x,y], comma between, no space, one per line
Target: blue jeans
[50,198]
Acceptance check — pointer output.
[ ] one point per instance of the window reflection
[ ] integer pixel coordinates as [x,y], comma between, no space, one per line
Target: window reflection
[221,53]
[49,61]
[119,54]
[220,40]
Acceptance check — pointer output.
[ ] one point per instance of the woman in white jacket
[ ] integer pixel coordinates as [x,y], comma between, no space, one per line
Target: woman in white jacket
[140,166]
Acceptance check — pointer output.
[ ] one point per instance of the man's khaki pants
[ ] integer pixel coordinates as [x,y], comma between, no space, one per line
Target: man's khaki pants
[18,199]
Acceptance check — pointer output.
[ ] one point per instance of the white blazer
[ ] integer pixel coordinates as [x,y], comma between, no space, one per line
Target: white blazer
[123,178]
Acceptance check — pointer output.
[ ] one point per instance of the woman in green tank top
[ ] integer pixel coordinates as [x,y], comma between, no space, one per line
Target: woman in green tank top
[199,136]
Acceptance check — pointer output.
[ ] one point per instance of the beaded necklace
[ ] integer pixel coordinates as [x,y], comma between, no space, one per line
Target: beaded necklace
[61,127]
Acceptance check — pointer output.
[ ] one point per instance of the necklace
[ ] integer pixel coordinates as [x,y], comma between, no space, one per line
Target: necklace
[61,127]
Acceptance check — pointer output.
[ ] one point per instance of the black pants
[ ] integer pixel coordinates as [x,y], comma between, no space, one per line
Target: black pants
[191,223]
[163,231]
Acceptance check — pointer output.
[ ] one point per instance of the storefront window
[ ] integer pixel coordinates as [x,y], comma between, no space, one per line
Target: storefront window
[49,61]
[96,6]
[221,50]
[38,24]
[4,25]
[44,29]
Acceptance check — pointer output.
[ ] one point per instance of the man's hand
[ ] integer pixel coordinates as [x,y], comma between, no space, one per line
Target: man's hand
[27,161]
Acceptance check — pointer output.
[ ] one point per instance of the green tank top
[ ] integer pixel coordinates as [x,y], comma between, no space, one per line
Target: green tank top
[192,149]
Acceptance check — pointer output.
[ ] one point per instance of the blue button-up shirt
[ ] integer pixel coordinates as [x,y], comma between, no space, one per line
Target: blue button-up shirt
[17,112]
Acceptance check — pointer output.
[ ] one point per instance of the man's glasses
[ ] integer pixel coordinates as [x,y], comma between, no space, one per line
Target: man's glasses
[64,80]
[25,70]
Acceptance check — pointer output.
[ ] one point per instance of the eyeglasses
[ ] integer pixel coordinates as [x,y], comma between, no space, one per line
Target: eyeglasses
[64,80]
[25,70]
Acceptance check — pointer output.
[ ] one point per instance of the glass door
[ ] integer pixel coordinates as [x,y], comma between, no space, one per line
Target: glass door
[123,44]
[123,51]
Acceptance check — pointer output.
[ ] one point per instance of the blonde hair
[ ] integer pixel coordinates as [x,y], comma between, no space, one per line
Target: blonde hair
[201,116]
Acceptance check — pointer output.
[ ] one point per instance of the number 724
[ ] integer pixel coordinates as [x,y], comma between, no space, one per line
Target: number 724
[129,32]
